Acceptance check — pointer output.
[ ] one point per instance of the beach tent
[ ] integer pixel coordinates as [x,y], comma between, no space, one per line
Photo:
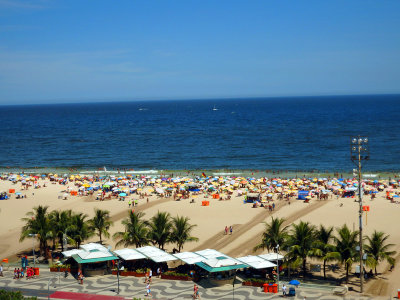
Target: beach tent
[256,262]
[251,197]
[210,253]
[301,195]
[129,254]
[155,254]
[92,259]
[349,192]
[189,258]
[220,264]
[272,257]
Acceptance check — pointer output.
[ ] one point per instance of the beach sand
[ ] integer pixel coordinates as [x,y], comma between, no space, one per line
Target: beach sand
[210,220]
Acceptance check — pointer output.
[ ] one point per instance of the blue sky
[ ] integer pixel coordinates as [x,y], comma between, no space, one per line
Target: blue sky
[72,51]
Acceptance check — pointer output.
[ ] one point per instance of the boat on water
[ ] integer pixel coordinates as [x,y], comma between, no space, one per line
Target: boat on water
[215,108]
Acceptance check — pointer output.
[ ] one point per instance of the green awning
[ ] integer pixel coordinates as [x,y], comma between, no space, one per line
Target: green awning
[220,269]
[80,260]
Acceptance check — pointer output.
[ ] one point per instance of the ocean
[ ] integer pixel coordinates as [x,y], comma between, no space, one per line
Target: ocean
[224,135]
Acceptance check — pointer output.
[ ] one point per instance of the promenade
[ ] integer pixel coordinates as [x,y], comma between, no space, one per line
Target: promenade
[56,286]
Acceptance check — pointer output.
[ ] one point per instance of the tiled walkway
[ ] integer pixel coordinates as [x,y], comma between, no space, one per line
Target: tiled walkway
[134,287]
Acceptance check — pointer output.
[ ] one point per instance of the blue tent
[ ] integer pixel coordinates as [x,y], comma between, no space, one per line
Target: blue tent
[302,195]
[294,282]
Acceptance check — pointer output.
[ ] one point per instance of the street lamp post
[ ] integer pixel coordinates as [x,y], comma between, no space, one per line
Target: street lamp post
[33,235]
[358,152]
[277,263]
[118,275]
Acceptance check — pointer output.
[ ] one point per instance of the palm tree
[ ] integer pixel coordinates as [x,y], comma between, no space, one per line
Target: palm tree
[181,231]
[160,229]
[301,242]
[273,235]
[79,229]
[136,231]
[325,250]
[101,223]
[59,221]
[346,244]
[37,222]
[377,250]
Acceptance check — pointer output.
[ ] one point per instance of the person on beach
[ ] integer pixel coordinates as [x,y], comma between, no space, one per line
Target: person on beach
[136,202]
[1,271]
[284,290]
[129,203]
[231,229]
[80,276]
[196,294]
[15,273]
[150,275]
[148,290]
[226,230]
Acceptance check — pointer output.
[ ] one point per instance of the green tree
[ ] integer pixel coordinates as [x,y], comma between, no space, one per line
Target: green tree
[37,222]
[324,249]
[101,223]
[301,242]
[136,231]
[79,230]
[181,231]
[274,234]
[59,222]
[14,295]
[160,229]
[377,250]
[346,243]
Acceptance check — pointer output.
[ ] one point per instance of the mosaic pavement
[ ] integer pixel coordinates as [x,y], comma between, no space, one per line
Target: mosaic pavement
[160,289]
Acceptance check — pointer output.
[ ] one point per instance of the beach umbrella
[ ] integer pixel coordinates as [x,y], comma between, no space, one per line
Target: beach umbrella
[160,190]
[294,282]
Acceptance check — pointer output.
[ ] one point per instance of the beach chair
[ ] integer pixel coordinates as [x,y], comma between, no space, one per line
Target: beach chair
[292,292]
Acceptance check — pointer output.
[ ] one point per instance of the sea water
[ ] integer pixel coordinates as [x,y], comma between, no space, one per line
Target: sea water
[224,135]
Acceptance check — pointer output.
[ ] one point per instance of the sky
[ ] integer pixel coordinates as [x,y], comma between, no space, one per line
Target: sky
[79,51]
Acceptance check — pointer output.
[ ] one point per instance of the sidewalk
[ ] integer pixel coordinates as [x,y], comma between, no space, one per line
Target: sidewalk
[105,288]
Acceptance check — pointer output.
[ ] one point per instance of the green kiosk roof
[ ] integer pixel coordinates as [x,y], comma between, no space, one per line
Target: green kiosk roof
[80,260]
[220,264]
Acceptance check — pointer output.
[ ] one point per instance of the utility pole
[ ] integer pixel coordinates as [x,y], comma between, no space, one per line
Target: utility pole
[277,263]
[118,275]
[359,151]
[33,235]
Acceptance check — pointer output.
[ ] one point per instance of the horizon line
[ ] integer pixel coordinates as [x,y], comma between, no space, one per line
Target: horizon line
[127,100]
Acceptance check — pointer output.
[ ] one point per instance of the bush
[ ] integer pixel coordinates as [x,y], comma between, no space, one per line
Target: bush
[60,266]
[11,295]
[172,273]
[260,280]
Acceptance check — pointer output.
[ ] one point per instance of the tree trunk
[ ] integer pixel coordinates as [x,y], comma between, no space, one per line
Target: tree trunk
[61,241]
[324,269]
[100,238]
[347,273]
[376,273]
[304,267]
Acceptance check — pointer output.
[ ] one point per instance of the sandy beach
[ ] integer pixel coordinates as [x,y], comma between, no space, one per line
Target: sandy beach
[211,220]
